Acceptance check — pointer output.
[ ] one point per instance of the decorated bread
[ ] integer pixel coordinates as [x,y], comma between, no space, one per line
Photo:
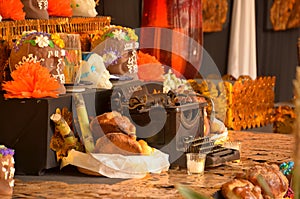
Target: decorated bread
[247,185]
[146,149]
[48,49]
[277,182]
[118,143]
[4,56]
[115,134]
[111,122]
[7,171]
[123,144]
[241,188]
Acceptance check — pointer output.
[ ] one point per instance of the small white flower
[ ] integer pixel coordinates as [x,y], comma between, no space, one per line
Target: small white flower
[119,34]
[109,58]
[42,41]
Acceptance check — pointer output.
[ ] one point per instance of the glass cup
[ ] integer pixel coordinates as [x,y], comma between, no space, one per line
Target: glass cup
[195,163]
[73,58]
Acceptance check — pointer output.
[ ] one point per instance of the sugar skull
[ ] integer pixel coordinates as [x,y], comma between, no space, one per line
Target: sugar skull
[117,45]
[40,47]
[94,70]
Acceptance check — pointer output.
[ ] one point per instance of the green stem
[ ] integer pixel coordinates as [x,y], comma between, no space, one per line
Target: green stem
[83,120]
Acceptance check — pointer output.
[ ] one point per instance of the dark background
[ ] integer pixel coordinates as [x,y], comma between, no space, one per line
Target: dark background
[276,51]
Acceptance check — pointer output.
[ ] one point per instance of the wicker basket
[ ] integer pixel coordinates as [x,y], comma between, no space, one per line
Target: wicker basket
[10,30]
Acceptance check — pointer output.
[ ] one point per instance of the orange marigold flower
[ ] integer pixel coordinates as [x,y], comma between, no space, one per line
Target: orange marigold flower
[31,80]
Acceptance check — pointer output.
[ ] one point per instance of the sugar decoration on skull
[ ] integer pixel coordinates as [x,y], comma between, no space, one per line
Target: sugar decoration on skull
[117,45]
[42,4]
[40,47]
[48,49]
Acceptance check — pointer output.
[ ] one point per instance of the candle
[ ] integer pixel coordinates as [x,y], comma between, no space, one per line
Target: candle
[195,163]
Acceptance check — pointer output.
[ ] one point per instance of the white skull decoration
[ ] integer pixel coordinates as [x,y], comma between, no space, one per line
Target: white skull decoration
[84,8]
[94,70]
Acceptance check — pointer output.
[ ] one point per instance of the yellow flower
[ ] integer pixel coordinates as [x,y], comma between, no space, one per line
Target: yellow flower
[57,40]
[55,36]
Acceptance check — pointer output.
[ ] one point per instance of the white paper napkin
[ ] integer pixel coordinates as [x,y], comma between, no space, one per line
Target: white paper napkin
[119,166]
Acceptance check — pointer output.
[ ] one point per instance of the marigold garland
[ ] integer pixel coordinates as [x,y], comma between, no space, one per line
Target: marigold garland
[31,80]
[145,58]
[149,68]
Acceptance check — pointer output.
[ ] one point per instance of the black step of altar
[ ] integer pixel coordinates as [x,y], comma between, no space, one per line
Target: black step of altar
[25,126]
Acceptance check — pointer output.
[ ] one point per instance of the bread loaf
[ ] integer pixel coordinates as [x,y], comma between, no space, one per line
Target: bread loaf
[241,188]
[247,185]
[118,143]
[111,122]
[277,182]
[146,149]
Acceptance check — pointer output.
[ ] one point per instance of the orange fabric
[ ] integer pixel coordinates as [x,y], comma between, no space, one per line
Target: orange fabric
[31,80]
[182,16]
[12,9]
[155,13]
[149,68]
[60,8]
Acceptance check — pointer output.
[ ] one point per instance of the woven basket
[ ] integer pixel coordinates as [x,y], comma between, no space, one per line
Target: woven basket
[10,30]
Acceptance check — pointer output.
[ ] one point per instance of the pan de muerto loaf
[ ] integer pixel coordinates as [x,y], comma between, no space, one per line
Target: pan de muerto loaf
[118,143]
[241,188]
[277,182]
[111,122]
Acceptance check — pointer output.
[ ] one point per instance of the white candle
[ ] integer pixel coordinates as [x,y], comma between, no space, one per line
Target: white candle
[195,163]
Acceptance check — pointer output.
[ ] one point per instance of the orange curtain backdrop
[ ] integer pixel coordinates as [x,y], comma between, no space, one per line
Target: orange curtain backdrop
[155,13]
[184,17]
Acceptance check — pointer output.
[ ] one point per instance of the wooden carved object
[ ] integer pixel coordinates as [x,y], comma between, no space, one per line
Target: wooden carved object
[243,103]
[214,15]
[285,14]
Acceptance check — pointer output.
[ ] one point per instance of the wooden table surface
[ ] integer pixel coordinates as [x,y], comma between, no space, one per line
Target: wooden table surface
[257,148]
